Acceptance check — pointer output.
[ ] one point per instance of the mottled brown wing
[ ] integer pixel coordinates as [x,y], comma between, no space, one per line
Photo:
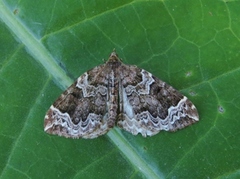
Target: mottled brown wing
[149,105]
[81,111]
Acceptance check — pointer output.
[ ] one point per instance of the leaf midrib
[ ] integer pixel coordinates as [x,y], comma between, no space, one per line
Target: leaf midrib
[42,55]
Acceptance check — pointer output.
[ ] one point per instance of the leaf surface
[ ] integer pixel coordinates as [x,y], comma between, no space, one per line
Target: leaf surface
[192,45]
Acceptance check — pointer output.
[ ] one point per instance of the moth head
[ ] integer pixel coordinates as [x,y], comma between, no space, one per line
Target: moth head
[114,57]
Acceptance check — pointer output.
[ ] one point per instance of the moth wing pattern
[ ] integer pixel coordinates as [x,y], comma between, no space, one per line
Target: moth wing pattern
[81,111]
[112,93]
[149,105]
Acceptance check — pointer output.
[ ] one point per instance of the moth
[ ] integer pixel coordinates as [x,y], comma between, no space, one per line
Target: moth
[125,95]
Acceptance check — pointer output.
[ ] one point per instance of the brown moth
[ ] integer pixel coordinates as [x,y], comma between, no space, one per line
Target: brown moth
[115,93]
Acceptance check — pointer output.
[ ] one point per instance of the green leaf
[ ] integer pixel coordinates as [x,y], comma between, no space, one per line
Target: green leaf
[192,45]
